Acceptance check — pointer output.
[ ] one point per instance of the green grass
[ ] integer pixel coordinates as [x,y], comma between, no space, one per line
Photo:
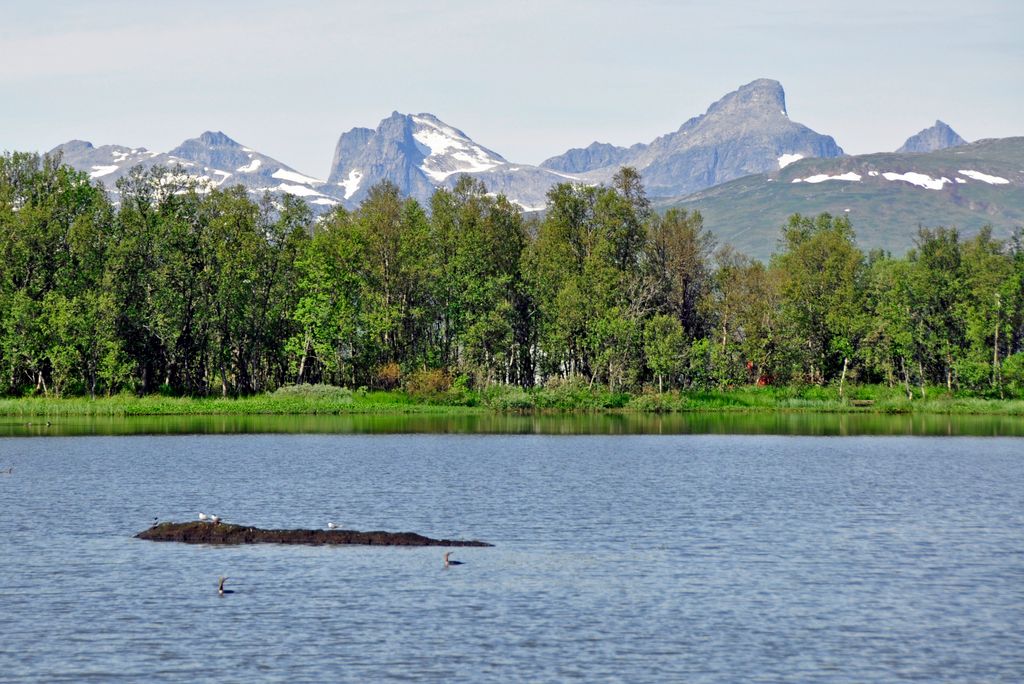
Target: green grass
[562,397]
[266,404]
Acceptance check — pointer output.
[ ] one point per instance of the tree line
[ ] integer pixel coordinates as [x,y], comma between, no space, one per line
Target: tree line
[197,291]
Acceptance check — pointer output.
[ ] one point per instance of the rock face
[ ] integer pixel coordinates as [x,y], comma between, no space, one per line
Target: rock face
[938,137]
[222,533]
[420,153]
[746,132]
[213,159]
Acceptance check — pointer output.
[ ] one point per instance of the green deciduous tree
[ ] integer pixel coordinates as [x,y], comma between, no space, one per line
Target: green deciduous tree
[821,271]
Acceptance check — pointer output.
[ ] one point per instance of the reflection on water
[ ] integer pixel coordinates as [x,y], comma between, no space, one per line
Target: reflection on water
[780,423]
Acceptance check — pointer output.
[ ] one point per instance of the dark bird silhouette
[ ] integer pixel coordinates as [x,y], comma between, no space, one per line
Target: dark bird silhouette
[448,562]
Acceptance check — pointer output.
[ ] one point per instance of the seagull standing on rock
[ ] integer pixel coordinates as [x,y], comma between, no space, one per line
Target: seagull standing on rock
[202,516]
[331,526]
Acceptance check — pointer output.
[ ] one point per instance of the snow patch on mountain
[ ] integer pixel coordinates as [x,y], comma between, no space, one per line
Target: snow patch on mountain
[99,171]
[918,179]
[522,206]
[787,159]
[351,183]
[984,177]
[821,178]
[122,155]
[282,174]
[450,151]
[298,190]
[250,167]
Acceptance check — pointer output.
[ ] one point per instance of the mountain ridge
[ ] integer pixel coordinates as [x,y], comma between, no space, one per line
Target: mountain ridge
[887,195]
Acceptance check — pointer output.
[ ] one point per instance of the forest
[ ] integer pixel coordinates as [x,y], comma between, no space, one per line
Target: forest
[187,290]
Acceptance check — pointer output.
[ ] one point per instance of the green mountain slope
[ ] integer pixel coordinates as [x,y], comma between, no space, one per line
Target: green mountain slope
[887,196]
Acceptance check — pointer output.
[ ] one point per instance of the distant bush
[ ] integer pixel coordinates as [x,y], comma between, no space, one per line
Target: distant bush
[579,394]
[510,399]
[652,402]
[570,393]
[305,391]
[461,392]
[388,376]
[432,383]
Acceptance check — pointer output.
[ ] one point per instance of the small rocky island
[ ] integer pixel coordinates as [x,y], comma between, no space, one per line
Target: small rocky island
[224,533]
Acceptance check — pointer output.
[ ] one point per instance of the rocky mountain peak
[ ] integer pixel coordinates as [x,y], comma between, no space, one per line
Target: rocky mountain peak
[937,137]
[217,139]
[763,97]
[77,146]
[213,149]
[417,152]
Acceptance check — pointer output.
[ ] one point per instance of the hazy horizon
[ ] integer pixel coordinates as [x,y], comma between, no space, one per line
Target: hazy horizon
[527,81]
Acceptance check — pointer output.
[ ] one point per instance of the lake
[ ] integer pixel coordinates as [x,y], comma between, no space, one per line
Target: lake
[617,557]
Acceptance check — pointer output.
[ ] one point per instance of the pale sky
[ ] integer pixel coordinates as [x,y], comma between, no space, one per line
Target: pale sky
[528,79]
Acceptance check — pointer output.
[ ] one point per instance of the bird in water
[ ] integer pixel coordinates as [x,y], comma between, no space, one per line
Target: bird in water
[7,471]
[220,587]
[331,526]
[448,562]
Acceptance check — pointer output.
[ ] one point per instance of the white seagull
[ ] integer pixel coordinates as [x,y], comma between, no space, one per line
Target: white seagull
[331,526]
[215,519]
[202,516]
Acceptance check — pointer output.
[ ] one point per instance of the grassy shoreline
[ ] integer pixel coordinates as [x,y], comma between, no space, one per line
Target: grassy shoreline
[565,399]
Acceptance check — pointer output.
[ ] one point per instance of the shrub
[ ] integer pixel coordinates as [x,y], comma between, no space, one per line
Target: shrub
[428,384]
[511,400]
[651,402]
[321,391]
[388,376]
[461,392]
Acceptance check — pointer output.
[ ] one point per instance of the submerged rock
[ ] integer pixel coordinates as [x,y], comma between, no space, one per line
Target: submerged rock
[223,533]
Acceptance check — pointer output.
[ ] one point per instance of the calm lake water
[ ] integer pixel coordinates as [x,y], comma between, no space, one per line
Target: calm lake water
[633,558]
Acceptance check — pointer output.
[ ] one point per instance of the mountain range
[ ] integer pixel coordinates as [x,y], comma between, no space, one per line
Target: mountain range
[213,159]
[711,162]
[747,131]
